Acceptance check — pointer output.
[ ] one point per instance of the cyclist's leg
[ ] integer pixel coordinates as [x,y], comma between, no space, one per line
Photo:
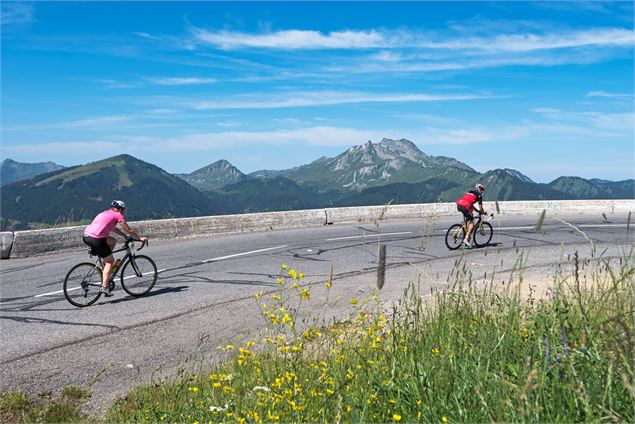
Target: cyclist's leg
[108,261]
[103,248]
[468,219]
[470,226]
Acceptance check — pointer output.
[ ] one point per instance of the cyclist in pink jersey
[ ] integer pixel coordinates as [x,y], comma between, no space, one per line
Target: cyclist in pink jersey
[97,236]
[465,205]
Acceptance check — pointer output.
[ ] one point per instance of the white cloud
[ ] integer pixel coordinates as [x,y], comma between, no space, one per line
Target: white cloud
[400,39]
[163,111]
[313,136]
[292,39]
[602,93]
[69,148]
[180,80]
[108,83]
[14,12]
[528,42]
[324,98]
[466,135]
[98,121]
[228,124]
[93,123]
[619,124]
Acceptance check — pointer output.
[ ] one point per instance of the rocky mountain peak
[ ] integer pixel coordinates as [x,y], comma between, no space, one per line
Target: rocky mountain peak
[215,175]
[389,149]
[507,172]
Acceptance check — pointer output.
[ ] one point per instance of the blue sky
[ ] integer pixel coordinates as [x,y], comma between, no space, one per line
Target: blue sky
[545,88]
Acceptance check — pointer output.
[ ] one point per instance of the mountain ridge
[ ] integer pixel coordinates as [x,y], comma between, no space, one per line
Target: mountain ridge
[12,171]
[391,171]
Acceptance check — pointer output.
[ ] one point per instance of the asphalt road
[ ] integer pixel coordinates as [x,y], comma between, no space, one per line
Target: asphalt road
[205,294]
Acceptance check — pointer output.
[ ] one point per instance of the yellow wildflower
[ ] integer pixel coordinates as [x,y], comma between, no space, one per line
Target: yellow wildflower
[396,418]
[283,266]
[444,419]
[354,301]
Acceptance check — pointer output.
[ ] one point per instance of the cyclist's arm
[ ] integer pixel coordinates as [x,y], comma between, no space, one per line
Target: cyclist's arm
[131,231]
[119,232]
[480,206]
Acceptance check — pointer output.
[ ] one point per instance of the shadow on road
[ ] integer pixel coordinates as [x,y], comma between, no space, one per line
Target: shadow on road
[159,292]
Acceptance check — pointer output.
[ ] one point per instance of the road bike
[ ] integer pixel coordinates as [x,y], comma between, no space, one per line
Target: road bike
[481,234]
[138,276]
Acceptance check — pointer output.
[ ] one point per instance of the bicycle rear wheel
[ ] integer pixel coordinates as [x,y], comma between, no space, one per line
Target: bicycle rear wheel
[454,237]
[138,275]
[483,234]
[82,283]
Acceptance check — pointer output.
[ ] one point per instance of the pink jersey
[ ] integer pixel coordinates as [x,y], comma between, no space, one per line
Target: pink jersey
[103,224]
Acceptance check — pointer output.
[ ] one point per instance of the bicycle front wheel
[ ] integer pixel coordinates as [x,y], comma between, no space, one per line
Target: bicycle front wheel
[454,237]
[82,283]
[483,234]
[138,275]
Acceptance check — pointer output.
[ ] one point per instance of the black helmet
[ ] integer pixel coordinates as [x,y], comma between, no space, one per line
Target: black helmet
[119,204]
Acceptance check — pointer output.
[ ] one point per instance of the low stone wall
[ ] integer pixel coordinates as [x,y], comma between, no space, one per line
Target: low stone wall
[36,242]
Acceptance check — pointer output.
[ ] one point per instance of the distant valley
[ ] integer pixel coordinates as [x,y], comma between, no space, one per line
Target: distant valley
[391,171]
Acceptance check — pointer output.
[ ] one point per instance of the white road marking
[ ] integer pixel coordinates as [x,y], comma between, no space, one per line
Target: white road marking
[56,292]
[162,270]
[243,254]
[369,235]
[531,227]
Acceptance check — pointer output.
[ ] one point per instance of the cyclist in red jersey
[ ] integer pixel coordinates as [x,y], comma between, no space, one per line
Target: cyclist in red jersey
[465,205]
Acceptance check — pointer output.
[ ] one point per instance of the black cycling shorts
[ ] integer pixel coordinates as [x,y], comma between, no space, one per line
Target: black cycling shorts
[99,246]
[466,213]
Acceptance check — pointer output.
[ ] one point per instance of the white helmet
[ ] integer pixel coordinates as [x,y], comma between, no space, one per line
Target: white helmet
[119,204]
[479,187]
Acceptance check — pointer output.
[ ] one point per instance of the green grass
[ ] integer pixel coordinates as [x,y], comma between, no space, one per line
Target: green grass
[16,406]
[465,355]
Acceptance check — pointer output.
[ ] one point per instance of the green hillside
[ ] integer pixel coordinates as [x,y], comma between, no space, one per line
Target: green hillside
[579,188]
[76,195]
[268,194]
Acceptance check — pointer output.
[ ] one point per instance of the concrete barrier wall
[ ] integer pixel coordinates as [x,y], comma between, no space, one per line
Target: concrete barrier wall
[23,244]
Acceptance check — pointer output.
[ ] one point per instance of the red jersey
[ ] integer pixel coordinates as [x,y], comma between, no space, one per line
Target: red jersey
[469,199]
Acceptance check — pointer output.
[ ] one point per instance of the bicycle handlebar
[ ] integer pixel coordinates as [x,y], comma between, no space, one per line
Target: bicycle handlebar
[132,239]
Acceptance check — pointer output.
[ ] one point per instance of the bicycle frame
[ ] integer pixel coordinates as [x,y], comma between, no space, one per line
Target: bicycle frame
[129,256]
[478,225]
